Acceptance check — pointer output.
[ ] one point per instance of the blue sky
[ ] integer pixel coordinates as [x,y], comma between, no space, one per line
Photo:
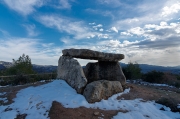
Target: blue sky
[144,31]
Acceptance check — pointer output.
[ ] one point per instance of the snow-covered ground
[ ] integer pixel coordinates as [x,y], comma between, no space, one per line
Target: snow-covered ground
[36,102]
[2,93]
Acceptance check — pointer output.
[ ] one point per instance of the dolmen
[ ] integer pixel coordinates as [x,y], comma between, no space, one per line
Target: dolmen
[97,80]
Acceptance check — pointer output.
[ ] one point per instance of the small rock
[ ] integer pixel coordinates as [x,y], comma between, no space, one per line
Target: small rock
[162,108]
[8,109]
[96,113]
[21,116]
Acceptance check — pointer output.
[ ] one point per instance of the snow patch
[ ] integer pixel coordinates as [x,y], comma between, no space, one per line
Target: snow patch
[2,93]
[5,100]
[178,106]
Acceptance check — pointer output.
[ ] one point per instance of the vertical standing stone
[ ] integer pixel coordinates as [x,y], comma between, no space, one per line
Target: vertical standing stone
[71,71]
[104,70]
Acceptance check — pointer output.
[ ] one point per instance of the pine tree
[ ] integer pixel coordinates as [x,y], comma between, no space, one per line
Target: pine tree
[21,66]
[132,71]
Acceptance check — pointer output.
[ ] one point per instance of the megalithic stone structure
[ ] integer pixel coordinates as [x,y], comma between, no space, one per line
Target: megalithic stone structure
[107,69]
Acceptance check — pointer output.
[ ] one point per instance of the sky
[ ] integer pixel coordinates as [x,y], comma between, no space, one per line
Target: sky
[146,32]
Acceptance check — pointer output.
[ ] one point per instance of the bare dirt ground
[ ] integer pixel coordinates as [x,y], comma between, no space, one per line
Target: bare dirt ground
[57,111]
[163,95]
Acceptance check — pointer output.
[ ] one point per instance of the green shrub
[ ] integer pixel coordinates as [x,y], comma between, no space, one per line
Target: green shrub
[4,83]
[20,80]
[177,85]
[132,71]
[178,77]
[153,77]
[20,66]
[23,79]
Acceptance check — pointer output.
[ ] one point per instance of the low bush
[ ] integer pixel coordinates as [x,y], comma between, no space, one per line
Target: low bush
[153,77]
[20,80]
[132,71]
[178,77]
[23,79]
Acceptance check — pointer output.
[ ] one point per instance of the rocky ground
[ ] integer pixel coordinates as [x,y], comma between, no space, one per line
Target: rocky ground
[168,96]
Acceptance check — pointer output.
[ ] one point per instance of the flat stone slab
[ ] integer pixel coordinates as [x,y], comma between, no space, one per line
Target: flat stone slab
[94,55]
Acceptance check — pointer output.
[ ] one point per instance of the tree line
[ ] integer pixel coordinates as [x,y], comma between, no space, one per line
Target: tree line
[20,72]
[132,71]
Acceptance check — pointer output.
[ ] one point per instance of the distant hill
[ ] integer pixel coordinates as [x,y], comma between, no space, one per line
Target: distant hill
[44,68]
[6,64]
[37,68]
[147,68]
[144,68]
[2,67]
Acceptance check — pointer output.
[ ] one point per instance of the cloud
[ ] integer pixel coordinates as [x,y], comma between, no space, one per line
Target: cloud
[137,31]
[40,53]
[24,7]
[154,31]
[148,12]
[105,13]
[67,40]
[64,4]
[114,29]
[157,44]
[169,10]
[93,23]
[97,26]
[101,29]
[110,3]
[64,24]
[31,30]
[4,33]
[103,36]
[172,41]
[133,51]
[117,43]
[126,34]
[61,4]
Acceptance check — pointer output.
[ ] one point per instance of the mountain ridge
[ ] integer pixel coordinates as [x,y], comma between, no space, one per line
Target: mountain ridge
[144,67]
[147,68]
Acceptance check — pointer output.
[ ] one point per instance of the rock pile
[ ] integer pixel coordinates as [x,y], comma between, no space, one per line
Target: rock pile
[96,81]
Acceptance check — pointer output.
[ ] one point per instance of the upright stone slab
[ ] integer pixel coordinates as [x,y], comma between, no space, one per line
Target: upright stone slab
[104,70]
[94,55]
[71,71]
